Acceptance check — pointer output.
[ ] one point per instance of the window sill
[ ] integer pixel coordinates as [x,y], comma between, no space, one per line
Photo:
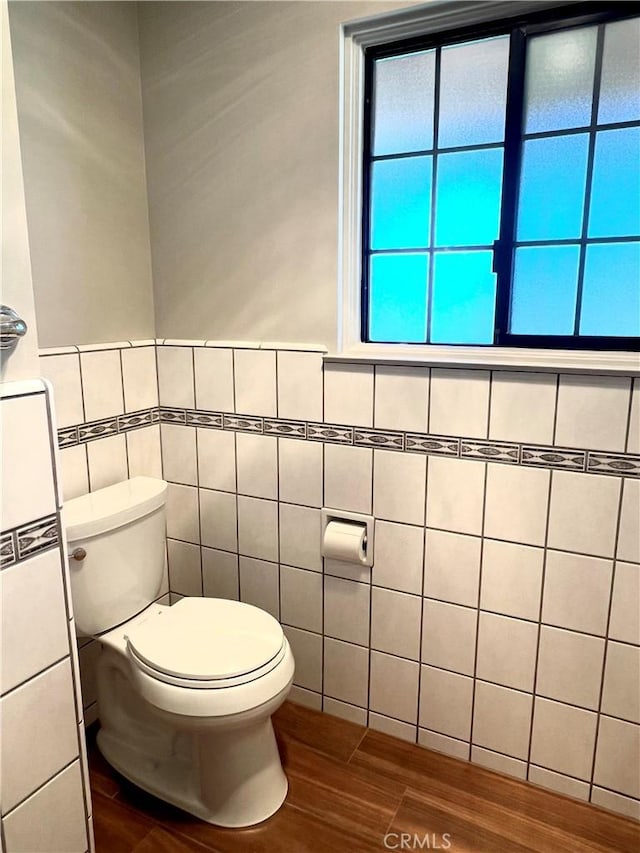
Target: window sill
[497,358]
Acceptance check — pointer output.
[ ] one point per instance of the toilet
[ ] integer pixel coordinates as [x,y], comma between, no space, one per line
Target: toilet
[185,693]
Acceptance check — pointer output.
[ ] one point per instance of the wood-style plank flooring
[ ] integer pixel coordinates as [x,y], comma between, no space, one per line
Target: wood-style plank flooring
[348,788]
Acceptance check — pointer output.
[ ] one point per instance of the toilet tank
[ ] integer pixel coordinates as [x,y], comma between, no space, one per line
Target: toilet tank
[122,530]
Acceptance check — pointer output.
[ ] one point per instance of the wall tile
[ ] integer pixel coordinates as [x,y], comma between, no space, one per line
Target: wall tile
[301,598]
[300,471]
[516,506]
[258,528]
[217,459]
[300,537]
[452,567]
[593,411]
[143,452]
[101,384]
[459,402]
[576,592]
[38,720]
[499,763]
[346,672]
[445,702]
[617,757]
[584,512]
[63,371]
[257,460]
[615,802]
[307,698]
[220,574]
[511,579]
[395,623]
[633,439]
[27,479]
[501,719]
[182,513]
[32,595]
[395,728]
[52,819]
[441,743]
[214,379]
[398,556]
[179,457]
[107,461]
[449,636]
[140,378]
[558,782]
[401,398]
[185,572]
[625,605]
[255,382]
[394,687]
[563,738]
[399,486]
[300,385]
[307,652]
[629,534]
[73,471]
[346,610]
[507,651]
[344,711]
[259,585]
[455,493]
[218,520]
[570,667]
[175,376]
[348,394]
[348,478]
[621,691]
[522,406]
[88,657]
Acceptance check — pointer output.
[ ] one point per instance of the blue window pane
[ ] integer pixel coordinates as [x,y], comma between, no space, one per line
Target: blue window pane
[611,290]
[398,298]
[545,284]
[552,188]
[403,103]
[615,192]
[464,297]
[401,203]
[468,194]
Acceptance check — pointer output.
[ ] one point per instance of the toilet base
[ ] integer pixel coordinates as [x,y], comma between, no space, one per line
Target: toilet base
[231,778]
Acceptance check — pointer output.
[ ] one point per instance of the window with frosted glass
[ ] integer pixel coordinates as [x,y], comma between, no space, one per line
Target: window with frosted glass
[502,187]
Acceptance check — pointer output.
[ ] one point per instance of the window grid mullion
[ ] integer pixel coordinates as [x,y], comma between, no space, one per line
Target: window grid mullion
[597,74]
[434,179]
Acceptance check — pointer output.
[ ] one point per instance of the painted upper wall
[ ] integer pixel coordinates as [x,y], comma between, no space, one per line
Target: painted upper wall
[80,117]
[241,135]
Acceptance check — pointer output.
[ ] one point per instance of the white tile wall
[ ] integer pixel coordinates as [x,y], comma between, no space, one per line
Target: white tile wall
[63,371]
[102,384]
[480,564]
[139,379]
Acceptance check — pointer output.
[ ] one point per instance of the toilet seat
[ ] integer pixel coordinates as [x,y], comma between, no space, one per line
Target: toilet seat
[207,643]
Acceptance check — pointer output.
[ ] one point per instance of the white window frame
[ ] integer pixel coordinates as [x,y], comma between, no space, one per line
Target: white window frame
[355,37]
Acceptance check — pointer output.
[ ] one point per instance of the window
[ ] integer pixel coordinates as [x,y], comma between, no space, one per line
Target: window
[501,184]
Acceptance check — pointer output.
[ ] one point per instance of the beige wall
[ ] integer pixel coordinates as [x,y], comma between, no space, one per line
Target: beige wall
[241,136]
[80,115]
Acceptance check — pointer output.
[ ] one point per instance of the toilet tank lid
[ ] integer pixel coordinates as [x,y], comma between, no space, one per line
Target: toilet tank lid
[112,507]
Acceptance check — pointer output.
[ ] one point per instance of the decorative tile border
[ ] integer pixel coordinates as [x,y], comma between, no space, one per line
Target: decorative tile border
[508,453]
[22,542]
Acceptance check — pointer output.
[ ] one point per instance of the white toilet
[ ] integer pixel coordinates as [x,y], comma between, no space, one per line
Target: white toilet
[185,693]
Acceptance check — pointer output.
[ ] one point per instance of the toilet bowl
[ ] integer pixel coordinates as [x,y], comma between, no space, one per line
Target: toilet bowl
[185,693]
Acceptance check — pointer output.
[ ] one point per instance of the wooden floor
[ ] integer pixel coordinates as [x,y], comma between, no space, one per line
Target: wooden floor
[348,787]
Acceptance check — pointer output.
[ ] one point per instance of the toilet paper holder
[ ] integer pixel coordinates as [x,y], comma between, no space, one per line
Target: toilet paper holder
[360,524]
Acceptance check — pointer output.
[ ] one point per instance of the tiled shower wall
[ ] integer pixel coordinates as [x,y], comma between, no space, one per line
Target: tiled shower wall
[46,802]
[500,621]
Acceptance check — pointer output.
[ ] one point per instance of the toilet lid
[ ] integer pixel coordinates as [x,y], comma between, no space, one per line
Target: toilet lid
[207,639]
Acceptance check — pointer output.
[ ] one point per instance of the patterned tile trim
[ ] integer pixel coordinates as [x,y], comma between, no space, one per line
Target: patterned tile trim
[531,455]
[553,457]
[377,438]
[23,542]
[492,451]
[617,464]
